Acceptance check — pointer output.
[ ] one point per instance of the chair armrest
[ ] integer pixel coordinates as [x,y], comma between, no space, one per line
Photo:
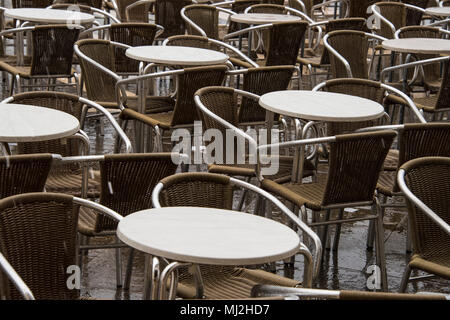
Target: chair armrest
[14,277]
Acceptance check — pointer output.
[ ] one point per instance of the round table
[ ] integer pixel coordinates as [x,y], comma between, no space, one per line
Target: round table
[40,15]
[438,11]
[207,236]
[321,106]
[176,55]
[262,18]
[418,45]
[25,123]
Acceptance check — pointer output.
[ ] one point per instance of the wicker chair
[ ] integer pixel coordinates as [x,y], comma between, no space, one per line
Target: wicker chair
[167,14]
[132,10]
[52,53]
[349,52]
[31,3]
[219,109]
[216,191]
[236,57]
[260,291]
[322,61]
[425,182]
[284,43]
[354,166]
[184,112]
[202,20]
[415,140]
[38,234]
[23,173]
[8,271]
[69,179]
[126,184]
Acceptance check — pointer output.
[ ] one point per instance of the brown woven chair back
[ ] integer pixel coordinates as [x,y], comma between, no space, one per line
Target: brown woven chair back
[167,14]
[431,71]
[185,111]
[52,50]
[127,181]
[90,3]
[429,180]
[38,237]
[357,24]
[192,41]
[133,34]
[61,101]
[100,86]
[197,189]
[268,8]
[31,3]
[414,17]
[358,8]
[23,173]
[354,166]
[443,101]
[137,14]
[239,6]
[222,101]
[279,2]
[206,17]
[308,5]
[395,12]
[285,40]
[356,87]
[260,81]
[353,46]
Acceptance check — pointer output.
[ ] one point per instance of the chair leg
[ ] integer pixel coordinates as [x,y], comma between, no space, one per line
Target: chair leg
[118,265]
[408,236]
[129,270]
[337,234]
[405,279]
[324,233]
[371,230]
[380,254]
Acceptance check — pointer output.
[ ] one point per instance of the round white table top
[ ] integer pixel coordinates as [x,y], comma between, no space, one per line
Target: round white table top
[208,236]
[418,45]
[49,15]
[177,55]
[438,11]
[262,18]
[321,105]
[24,123]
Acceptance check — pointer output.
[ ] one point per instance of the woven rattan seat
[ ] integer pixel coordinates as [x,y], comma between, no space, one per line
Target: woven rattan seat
[220,282]
[428,180]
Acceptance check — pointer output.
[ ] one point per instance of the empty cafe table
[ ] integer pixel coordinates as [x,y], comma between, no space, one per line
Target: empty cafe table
[40,15]
[418,45]
[176,55]
[438,11]
[206,236]
[262,18]
[25,123]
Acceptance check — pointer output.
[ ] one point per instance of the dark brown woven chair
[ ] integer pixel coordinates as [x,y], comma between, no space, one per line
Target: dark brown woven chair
[167,14]
[127,181]
[219,109]
[214,191]
[322,60]
[137,13]
[38,233]
[52,54]
[415,140]
[201,20]
[425,182]
[184,112]
[23,173]
[355,162]
[31,3]
[358,8]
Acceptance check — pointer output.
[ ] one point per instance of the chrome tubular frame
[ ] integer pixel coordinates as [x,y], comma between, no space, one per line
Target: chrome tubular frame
[14,277]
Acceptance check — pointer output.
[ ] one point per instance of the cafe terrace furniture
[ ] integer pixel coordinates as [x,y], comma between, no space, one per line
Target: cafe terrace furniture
[424,182]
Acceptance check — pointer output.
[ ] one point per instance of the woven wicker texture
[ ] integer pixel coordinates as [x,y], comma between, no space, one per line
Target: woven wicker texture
[260,81]
[132,34]
[100,87]
[429,180]
[414,17]
[23,173]
[220,282]
[204,16]
[38,237]
[127,182]
[167,14]
[395,12]
[356,87]
[62,178]
[353,46]
[268,8]
[415,141]
[284,43]
[136,14]
[358,8]
[31,3]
